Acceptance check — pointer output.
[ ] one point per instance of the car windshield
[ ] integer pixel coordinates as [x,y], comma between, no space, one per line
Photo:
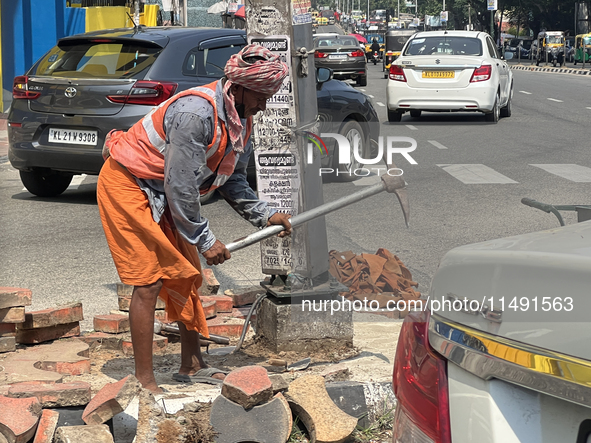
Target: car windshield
[92,58]
[379,38]
[335,41]
[554,40]
[444,45]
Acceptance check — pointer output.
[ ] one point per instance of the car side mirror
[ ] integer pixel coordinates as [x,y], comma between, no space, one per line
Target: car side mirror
[323,75]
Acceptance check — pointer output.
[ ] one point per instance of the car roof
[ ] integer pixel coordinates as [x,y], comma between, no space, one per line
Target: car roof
[473,34]
[159,35]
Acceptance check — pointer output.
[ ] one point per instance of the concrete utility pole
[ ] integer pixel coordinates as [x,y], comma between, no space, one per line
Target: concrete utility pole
[298,265]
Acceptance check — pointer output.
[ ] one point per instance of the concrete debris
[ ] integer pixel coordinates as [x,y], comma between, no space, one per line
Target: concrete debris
[325,422]
[7,344]
[153,426]
[279,383]
[83,434]
[339,372]
[52,395]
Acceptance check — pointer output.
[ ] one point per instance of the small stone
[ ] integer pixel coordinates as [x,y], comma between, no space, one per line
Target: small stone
[83,434]
[248,386]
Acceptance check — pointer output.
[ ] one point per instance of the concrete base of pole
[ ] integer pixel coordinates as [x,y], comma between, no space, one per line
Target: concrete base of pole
[298,327]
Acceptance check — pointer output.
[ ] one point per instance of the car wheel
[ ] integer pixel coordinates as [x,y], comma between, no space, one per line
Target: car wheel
[506,110]
[394,116]
[45,183]
[415,113]
[351,129]
[493,117]
[362,80]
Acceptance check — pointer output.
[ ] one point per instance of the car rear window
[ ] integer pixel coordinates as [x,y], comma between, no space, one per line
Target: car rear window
[444,45]
[334,41]
[97,58]
[209,62]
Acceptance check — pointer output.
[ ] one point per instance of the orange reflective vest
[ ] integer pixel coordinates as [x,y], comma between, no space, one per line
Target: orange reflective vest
[140,149]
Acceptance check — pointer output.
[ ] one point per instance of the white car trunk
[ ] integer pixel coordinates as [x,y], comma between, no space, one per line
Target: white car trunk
[440,71]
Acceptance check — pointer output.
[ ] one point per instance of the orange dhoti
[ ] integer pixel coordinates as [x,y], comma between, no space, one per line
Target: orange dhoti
[145,251]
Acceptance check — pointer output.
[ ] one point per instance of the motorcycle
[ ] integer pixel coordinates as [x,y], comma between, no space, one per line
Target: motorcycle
[375,57]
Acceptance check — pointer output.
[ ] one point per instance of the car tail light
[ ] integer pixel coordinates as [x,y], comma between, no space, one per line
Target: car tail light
[397,73]
[145,92]
[358,53]
[420,385]
[318,54]
[481,74]
[20,89]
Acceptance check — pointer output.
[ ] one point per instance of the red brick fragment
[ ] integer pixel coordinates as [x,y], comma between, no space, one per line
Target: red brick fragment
[244,296]
[54,316]
[12,315]
[248,386]
[223,303]
[7,329]
[227,327]
[40,335]
[210,285]
[112,399]
[103,340]
[112,324]
[53,395]
[158,345]
[18,418]
[242,313]
[7,344]
[46,427]
[124,290]
[12,297]
[209,308]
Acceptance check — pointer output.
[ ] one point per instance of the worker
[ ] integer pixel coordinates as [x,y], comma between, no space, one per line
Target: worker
[148,196]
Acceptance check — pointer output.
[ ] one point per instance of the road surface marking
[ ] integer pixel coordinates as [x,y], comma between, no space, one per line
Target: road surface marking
[412,127]
[369,95]
[588,107]
[381,104]
[437,144]
[525,92]
[573,173]
[361,89]
[476,174]
[555,100]
[369,180]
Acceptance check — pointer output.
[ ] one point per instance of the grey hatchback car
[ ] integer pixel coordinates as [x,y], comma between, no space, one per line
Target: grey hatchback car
[89,84]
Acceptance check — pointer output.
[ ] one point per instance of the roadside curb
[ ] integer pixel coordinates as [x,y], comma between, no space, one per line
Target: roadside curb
[556,70]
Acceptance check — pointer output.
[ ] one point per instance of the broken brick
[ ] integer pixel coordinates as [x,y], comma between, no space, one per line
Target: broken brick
[310,401]
[12,315]
[209,309]
[19,418]
[7,329]
[339,372]
[113,324]
[248,386]
[83,434]
[158,345]
[52,395]
[242,313]
[105,341]
[7,344]
[55,316]
[125,301]
[112,399]
[12,297]
[46,426]
[223,303]
[225,327]
[40,335]
[245,296]
[210,285]
[269,422]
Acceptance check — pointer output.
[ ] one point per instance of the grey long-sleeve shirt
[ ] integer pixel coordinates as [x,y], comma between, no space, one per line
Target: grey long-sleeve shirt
[189,125]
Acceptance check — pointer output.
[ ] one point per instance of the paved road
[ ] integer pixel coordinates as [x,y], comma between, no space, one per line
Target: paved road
[466,187]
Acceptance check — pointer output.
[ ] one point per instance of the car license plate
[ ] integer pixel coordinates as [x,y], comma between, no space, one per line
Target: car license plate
[438,74]
[338,57]
[73,136]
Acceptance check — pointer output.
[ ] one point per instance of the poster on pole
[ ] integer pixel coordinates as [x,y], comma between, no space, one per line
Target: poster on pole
[492,5]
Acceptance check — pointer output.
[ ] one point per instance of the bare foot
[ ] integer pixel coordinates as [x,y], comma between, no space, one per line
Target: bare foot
[151,386]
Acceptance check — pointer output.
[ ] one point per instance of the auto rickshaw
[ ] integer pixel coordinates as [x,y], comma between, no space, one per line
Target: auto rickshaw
[582,48]
[395,40]
[550,48]
[370,34]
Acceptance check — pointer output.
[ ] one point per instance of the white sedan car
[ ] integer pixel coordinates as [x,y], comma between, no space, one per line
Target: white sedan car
[450,71]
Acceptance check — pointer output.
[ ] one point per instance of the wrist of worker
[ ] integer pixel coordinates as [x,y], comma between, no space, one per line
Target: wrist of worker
[207,244]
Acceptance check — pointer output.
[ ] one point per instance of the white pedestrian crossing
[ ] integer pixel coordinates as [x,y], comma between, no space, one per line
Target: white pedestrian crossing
[574,173]
[476,174]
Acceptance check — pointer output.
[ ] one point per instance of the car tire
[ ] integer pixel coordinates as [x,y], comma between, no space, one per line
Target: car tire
[394,116]
[349,130]
[493,117]
[506,110]
[362,81]
[415,113]
[45,183]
